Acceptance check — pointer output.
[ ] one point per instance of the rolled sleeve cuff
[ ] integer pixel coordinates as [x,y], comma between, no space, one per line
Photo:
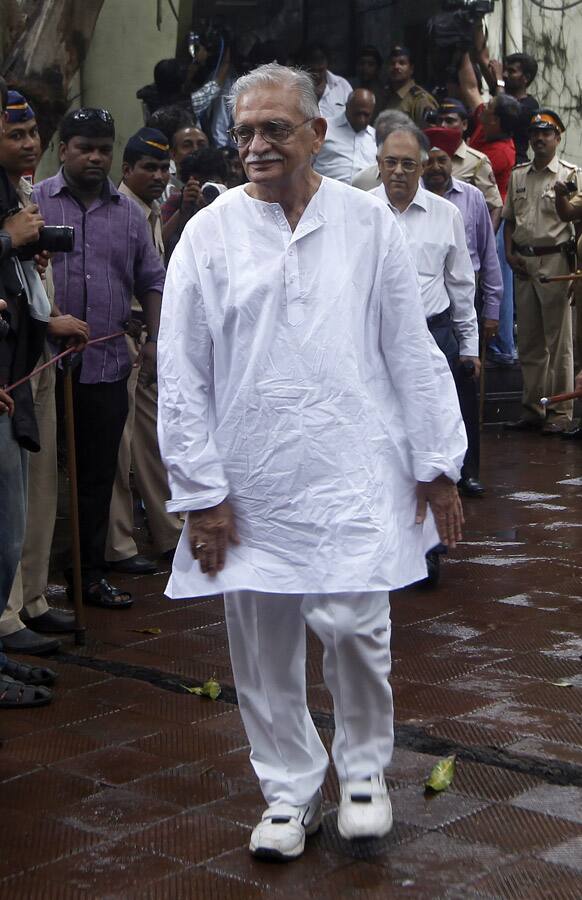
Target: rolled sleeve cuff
[202,500]
[468,346]
[428,466]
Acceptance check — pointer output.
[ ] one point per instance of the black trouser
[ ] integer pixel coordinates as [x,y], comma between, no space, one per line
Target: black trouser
[100,414]
[441,328]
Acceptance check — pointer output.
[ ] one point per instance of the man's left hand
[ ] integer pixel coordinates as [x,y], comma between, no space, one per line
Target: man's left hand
[443,497]
[476,362]
[148,374]
[490,327]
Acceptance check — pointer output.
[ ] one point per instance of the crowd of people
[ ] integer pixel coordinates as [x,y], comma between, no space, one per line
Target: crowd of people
[303,308]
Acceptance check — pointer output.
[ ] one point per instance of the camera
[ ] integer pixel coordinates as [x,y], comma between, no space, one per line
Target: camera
[211,190]
[477,7]
[54,238]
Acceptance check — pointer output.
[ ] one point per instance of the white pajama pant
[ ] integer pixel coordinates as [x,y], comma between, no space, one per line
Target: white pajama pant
[267,637]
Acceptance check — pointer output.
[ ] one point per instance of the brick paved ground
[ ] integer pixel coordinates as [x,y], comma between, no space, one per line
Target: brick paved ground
[129,787]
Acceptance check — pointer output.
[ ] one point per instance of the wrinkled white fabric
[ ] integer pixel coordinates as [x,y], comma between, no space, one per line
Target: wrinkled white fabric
[298,377]
[435,235]
[335,95]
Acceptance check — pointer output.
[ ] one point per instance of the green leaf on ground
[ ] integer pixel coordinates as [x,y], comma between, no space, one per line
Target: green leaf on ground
[210,688]
[147,630]
[442,775]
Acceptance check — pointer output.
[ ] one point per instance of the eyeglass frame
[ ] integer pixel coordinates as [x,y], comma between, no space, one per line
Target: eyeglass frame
[400,162]
[289,128]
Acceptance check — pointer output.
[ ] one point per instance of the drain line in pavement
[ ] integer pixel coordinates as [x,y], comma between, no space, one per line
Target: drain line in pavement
[409,737]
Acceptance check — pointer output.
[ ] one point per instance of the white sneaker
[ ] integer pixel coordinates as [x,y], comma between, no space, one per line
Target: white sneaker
[282,830]
[365,810]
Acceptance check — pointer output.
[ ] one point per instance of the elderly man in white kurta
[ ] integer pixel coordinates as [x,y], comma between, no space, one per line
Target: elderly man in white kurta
[307,421]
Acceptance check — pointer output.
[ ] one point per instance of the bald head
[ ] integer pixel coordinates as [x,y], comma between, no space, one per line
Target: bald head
[360,108]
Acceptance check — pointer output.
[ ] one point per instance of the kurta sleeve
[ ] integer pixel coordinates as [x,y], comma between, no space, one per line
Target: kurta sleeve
[185,381]
[460,286]
[419,371]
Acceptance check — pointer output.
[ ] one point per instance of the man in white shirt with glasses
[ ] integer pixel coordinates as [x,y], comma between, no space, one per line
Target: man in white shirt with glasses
[307,423]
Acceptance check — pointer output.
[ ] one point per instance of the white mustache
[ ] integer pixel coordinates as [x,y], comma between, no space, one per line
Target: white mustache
[263,157]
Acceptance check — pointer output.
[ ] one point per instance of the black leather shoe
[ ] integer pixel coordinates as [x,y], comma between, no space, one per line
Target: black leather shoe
[471,487]
[53,621]
[135,565]
[27,641]
[575,434]
[523,425]
[433,566]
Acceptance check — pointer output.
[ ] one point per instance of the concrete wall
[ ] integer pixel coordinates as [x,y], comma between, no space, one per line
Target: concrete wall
[125,47]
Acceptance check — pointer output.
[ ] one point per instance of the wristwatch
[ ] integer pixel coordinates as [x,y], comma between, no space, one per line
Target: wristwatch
[500,82]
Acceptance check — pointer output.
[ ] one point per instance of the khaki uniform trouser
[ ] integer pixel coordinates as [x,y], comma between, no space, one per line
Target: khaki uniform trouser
[578,324]
[544,337]
[32,574]
[139,451]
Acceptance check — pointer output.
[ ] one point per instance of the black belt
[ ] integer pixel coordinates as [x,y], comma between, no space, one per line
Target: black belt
[442,318]
[529,250]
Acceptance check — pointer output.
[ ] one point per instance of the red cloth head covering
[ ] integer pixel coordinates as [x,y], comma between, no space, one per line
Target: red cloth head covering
[447,139]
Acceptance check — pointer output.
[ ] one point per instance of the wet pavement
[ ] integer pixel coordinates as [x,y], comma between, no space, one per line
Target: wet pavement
[128,786]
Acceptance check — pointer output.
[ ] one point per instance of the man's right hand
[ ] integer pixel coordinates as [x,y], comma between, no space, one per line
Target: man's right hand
[210,532]
[24,226]
[518,265]
[74,331]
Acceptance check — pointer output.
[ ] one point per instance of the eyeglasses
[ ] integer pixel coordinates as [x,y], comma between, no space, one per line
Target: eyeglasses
[89,114]
[391,163]
[271,132]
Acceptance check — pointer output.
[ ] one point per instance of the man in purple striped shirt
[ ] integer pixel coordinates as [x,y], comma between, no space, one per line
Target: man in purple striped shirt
[113,259]
[469,200]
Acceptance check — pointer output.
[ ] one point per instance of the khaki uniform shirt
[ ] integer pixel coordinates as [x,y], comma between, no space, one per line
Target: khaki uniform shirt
[154,217]
[474,167]
[411,99]
[368,178]
[531,203]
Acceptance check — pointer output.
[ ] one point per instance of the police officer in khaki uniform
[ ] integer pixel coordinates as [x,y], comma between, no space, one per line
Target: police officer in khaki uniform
[402,92]
[470,165]
[539,244]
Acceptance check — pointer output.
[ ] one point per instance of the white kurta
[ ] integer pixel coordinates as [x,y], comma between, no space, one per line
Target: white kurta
[297,377]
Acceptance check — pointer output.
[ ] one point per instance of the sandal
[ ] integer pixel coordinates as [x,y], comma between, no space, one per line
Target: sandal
[35,675]
[104,595]
[15,695]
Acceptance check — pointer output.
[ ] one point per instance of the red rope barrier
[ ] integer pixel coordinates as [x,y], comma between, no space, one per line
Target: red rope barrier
[55,359]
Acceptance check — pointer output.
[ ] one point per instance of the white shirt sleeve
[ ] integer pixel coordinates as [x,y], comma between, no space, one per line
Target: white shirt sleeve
[460,285]
[421,377]
[185,374]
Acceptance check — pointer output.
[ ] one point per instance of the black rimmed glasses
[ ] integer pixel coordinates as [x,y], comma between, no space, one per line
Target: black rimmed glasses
[90,114]
[271,132]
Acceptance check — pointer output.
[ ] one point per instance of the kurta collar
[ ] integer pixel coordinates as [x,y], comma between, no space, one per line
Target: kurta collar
[313,216]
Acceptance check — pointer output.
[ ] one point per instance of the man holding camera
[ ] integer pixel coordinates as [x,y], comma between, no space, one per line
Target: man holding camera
[540,245]
[113,259]
[22,329]
[28,625]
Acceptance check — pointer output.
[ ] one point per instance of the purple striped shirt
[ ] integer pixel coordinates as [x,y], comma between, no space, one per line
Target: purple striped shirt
[481,243]
[113,259]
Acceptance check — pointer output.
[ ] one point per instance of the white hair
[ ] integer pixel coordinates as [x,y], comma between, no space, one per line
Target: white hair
[275,75]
